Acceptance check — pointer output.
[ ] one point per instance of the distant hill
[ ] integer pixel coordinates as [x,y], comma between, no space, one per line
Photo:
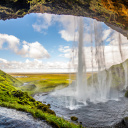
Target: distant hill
[4,77]
[115,73]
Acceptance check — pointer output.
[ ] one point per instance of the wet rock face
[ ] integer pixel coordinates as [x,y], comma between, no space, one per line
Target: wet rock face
[15,4]
[122,124]
[119,7]
[73,118]
[114,14]
[126,121]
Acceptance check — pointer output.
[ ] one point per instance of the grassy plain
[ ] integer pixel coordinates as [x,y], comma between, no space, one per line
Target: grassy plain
[37,83]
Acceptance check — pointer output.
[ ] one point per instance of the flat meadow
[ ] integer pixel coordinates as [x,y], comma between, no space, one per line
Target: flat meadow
[43,83]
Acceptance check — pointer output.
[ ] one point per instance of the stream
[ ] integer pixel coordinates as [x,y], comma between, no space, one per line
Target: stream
[11,118]
[102,114]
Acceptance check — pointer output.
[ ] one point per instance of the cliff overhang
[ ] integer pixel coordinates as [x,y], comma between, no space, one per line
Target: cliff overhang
[113,13]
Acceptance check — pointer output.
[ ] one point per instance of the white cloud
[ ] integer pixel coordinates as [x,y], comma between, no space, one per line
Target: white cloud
[31,50]
[114,39]
[3,60]
[112,55]
[66,35]
[67,23]
[11,41]
[116,45]
[68,26]
[106,33]
[20,65]
[43,21]
[66,46]
[66,51]
[25,49]
[32,65]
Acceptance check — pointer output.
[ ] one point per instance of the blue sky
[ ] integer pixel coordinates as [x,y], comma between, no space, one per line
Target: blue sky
[22,29]
[43,40]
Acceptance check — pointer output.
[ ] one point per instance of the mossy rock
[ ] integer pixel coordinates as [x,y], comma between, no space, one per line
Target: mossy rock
[73,118]
[45,108]
[18,93]
[126,121]
[126,94]
[51,112]
[49,105]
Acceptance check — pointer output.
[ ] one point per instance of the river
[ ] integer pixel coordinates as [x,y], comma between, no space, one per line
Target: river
[11,118]
[102,114]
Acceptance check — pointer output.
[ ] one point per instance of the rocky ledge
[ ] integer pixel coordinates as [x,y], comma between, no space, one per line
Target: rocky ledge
[114,13]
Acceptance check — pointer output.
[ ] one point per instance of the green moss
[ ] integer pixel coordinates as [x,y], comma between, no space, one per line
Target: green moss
[126,118]
[97,6]
[7,79]
[44,82]
[126,94]
[73,118]
[117,75]
[22,102]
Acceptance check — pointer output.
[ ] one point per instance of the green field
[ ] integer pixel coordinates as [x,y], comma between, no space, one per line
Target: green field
[37,83]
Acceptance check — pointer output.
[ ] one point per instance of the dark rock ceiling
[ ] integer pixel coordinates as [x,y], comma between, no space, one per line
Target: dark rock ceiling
[113,13]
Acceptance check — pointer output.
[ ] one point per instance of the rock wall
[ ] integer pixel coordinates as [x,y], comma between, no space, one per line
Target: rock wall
[114,14]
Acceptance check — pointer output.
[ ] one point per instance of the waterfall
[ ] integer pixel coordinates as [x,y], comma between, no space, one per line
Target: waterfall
[104,82]
[81,73]
[100,87]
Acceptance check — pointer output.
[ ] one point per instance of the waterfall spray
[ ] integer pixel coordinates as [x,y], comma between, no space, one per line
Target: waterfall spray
[81,74]
[99,87]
